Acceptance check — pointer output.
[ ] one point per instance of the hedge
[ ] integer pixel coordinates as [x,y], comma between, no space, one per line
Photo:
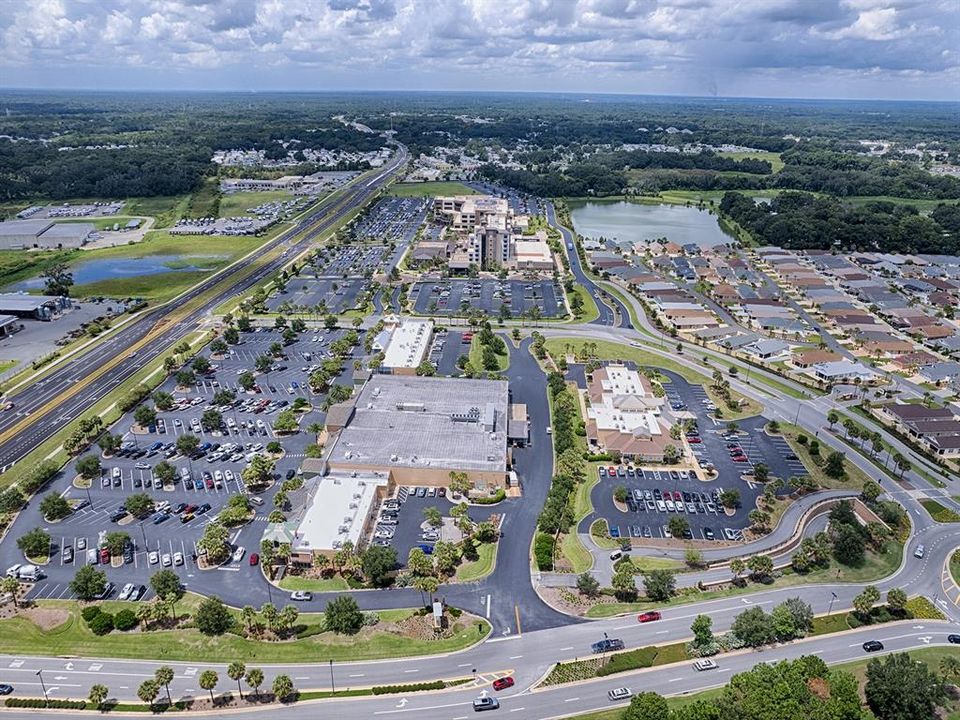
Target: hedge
[41,703]
[499,496]
[543,550]
[102,624]
[126,619]
[632,660]
[414,687]
[90,612]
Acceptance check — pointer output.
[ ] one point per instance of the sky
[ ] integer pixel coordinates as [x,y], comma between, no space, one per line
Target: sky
[890,49]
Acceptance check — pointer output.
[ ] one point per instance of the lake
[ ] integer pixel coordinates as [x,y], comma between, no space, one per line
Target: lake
[629,222]
[91,271]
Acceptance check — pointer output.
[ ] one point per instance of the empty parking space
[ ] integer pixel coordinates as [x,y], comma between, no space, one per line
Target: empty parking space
[517,297]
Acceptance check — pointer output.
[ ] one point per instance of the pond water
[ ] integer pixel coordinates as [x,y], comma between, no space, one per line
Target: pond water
[91,271]
[629,222]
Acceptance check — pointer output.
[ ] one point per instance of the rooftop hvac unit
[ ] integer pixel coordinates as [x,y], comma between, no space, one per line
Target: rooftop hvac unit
[394,457]
[348,520]
[357,496]
[353,506]
[342,530]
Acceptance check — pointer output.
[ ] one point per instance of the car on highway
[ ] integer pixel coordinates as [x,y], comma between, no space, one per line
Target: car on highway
[301,596]
[705,664]
[955,639]
[649,616]
[4,688]
[872,646]
[485,703]
[620,694]
[503,683]
[607,645]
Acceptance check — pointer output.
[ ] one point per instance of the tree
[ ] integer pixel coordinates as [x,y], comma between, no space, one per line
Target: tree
[849,547]
[896,599]
[418,563]
[647,706]
[620,494]
[246,381]
[211,420]
[212,617]
[109,443]
[760,566]
[702,628]
[255,679]
[88,467]
[10,586]
[871,491]
[115,542]
[343,615]
[282,687]
[761,473]
[286,422]
[754,627]
[57,280]
[445,556]
[139,504]
[801,613]
[693,557]
[98,695]
[224,397]
[214,542]
[166,584]
[864,602]
[835,467]
[164,472]
[34,543]
[737,567]
[950,667]
[588,585]
[678,526]
[426,584]
[460,483]
[781,620]
[208,681]
[433,517]
[187,444]
[730,498]
[833,417]
[898,688]
[624,585]
[236,671]
[659,585]
[259,472]
[164,676]
[54,507]
[378,563]
[148,691]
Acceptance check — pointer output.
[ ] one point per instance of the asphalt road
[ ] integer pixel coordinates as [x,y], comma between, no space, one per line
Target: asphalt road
[32,400]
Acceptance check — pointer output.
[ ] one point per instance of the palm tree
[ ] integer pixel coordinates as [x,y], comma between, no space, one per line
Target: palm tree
[148,691]
[236,671]
[208,681]
[255,679]
[248,616]
[164,676]
[98,694]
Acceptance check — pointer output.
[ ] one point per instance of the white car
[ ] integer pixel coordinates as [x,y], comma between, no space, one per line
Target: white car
[228,475]
[154,557]
[178,558]
[166,560]
[126,592]
[620,694]
[918,553]
[705,664]
[239,553]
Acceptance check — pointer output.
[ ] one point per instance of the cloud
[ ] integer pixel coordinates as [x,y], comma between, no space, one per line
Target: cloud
[784,47]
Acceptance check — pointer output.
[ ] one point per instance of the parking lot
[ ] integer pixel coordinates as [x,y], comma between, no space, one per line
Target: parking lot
[331,294]
[732,455]
[392,219]
[487,294]
[203,483]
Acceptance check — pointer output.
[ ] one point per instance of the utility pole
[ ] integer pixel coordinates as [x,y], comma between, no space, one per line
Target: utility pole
[46,700]
[333,688]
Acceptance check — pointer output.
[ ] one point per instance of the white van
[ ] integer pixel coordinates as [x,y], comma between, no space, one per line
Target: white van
[616,555]
[116,473]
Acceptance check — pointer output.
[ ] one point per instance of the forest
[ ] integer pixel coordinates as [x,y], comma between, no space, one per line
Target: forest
[802,221]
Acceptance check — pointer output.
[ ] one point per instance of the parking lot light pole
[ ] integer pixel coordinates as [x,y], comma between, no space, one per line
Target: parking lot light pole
[46,700]
[89,499]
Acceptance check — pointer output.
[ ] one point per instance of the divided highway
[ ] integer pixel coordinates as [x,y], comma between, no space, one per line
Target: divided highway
[66,393]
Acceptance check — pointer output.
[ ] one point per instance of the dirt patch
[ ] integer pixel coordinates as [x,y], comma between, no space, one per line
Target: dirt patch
[570,601]
[46,618]
[420,627]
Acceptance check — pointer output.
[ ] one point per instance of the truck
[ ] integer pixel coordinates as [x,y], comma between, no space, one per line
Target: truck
[29,572]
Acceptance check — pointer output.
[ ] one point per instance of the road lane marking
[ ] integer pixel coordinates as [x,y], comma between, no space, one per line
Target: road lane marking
[571,699]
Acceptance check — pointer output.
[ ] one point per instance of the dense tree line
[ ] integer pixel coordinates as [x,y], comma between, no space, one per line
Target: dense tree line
[801,221]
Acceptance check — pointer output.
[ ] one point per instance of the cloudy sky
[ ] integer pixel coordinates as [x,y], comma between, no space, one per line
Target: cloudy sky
[900,49]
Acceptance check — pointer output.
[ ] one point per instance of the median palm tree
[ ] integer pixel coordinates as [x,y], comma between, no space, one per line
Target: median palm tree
[208,681]
[164,676]
[236,671]
[255,679]
[98,695]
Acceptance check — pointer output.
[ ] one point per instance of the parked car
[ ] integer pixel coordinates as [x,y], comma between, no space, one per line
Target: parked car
[301,596]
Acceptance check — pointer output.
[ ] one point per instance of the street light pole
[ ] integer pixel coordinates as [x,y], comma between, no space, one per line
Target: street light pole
[834,597]
[333,688]
[46,700]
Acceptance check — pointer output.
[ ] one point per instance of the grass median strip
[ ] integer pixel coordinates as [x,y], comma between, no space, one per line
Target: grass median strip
[940,513]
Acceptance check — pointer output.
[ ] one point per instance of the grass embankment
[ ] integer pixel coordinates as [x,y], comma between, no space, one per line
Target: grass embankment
[19,636]
[876,567]
[473,570]
[940,513]
[17,265]
[430,189]
[6,365]
[165,210]
[854,479]
[589,310]
[773,158]
[295,582]
[929,656]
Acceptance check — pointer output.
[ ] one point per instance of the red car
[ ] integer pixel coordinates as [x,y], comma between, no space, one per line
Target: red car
[503,683]
[693,440]
[254,558]
[612,471]
[649,616]
[740,458]
[677,496]
[104,556]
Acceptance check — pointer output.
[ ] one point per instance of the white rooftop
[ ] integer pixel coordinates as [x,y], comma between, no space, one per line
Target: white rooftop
[336,510]
[408,344]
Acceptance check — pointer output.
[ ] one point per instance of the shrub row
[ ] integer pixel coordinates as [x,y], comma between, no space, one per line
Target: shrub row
[543,549]
[499,496]
[414,687]
[632,660]
[41,703]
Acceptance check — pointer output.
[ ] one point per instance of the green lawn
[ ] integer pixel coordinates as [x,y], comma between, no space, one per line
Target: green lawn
[877,566]
[471,571]
[955,566]
[167,210]
[6,365]
[771,157]
[292,582]
[576,554]
[476,357]
[234,204]
[17,265]
[19,636]
[590,311]
[922,205]
[855,476]
[940,513]
[430,189]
